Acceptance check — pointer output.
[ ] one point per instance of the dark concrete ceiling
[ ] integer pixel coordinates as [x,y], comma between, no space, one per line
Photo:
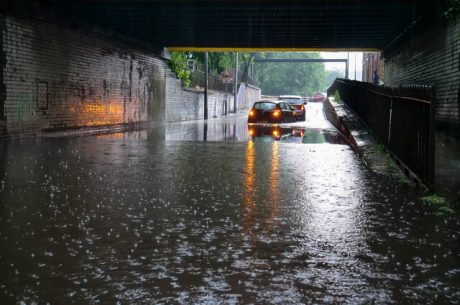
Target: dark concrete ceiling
[310,24]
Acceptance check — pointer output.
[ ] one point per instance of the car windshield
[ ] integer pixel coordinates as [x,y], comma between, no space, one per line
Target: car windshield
[293,101]
[264,105]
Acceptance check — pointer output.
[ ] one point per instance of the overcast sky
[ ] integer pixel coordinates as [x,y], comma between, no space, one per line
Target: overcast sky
[341,66]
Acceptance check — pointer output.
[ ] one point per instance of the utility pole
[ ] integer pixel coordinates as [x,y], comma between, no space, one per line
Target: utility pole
[347,65]
[225,106]
[355,65]
[206,85]
[235,85]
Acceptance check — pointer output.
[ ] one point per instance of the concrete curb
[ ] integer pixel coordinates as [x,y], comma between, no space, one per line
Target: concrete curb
[96,130]
[108,129]
[373,154]
[338,122]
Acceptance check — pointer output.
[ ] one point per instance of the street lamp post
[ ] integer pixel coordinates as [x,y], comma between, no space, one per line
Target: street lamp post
[206,85]
[226,79]
[235,85]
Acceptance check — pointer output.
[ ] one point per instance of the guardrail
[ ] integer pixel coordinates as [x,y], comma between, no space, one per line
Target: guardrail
[401,118]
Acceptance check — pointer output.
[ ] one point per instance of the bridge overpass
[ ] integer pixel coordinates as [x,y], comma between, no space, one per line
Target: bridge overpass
[306,25]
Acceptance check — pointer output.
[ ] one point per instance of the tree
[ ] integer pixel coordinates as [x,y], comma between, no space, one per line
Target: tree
[332,75]
[272,78]
[218,63]
[290,78]
[178,65]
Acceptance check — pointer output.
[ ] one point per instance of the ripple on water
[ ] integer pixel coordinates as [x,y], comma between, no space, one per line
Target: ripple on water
[223,223]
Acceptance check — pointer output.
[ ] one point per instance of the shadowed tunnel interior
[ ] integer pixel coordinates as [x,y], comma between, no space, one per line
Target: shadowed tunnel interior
[325,24]
[207,212]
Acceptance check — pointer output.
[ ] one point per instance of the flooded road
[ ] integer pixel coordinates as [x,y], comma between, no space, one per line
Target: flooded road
[194,213]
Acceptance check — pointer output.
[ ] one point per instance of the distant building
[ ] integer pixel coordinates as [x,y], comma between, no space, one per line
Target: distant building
[372,62]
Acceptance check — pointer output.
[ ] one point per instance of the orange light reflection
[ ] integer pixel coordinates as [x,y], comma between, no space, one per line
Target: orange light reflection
[249,187]
[274,182]
[250,213]
[93,114]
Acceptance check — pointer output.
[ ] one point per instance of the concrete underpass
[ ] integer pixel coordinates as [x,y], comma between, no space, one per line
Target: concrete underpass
[114,189]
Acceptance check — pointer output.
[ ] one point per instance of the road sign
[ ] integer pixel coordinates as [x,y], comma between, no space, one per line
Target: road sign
[226,78]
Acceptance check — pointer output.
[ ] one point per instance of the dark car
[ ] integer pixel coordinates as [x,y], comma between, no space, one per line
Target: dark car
[318,97]
[271,112]
[267,133]
[296,102]
[270,133]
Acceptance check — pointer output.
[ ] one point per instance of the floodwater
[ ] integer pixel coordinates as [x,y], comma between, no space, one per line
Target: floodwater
[194,213]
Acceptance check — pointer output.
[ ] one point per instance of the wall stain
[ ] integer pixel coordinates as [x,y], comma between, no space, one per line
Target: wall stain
[82,94]
[130,80]
[105,88]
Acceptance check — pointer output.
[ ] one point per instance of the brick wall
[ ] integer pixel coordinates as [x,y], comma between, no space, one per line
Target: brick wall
[251,95]
[183,105]
[3,130]
[371,63]
[57,79]
[54,78]
[431,56]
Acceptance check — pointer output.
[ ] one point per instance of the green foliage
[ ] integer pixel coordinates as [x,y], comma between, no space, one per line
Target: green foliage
[332,75]
[434,199]
[290,78]
[274,78]
[184,76]
[178,65]
[218,62]
[337,97]
[441,203]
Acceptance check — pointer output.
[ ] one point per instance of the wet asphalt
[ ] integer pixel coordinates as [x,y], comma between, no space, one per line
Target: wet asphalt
[216,212]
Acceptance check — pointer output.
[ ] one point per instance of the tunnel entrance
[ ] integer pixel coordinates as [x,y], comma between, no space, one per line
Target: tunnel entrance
[183,210]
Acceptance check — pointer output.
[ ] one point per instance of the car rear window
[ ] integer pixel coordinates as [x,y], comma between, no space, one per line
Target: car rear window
[293,101]
[264,105]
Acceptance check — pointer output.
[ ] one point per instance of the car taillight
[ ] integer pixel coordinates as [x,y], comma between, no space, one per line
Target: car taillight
[251,132]
[277,113]
[276,133]
[251,112]
[302,107]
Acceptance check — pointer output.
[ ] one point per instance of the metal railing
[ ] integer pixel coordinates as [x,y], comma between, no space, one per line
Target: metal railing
[214,82]
[401,118]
